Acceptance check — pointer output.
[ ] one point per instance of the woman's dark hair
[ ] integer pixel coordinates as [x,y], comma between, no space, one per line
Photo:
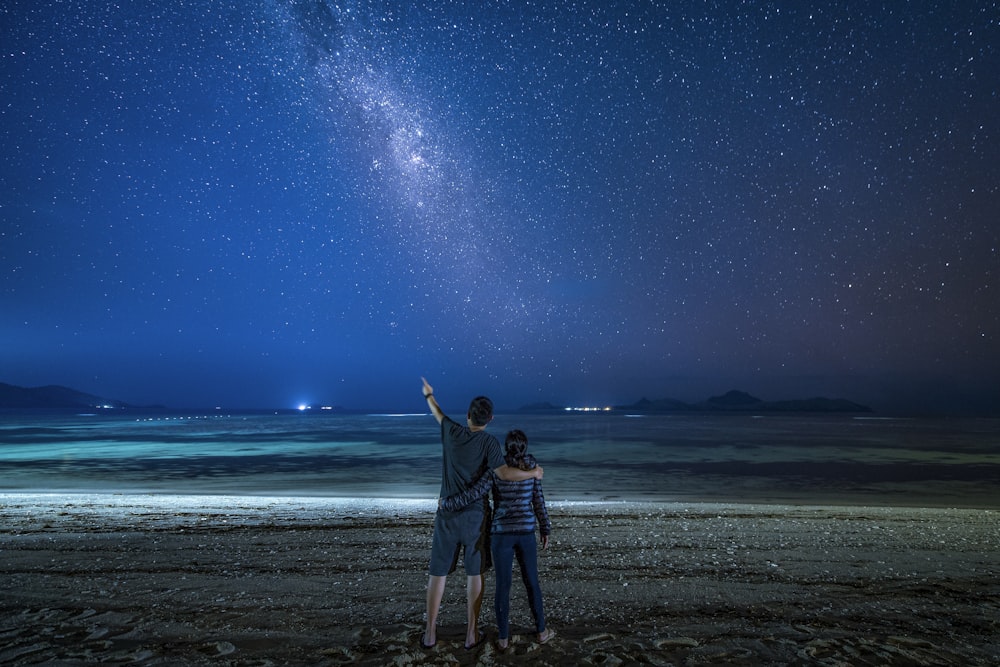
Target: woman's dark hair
[516,445]
[480,411]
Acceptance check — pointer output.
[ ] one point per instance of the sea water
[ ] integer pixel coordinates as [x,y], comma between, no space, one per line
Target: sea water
[810,459]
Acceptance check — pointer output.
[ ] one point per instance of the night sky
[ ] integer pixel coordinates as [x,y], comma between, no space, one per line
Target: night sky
[267,203]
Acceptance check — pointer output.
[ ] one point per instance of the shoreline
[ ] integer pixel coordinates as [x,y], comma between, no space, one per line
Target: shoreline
[237,580]
[985,500]
[130,507]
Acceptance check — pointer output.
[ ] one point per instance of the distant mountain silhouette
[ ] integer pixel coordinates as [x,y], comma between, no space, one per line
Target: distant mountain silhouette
[732,401]
[742,401]
[660,405]
[52,396]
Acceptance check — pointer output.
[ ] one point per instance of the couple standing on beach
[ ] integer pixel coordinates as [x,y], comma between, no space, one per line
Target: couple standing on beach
[473,464]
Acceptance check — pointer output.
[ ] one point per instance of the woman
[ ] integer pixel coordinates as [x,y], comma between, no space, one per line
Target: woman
[519,508]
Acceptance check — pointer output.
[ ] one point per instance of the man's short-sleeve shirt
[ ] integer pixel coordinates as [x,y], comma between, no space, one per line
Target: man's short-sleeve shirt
[467,455]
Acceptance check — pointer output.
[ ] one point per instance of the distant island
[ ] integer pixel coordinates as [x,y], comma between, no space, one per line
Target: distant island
[732,401]
[54,397]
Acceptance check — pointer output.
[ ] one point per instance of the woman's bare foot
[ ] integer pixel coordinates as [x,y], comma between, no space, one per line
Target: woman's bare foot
[502,644]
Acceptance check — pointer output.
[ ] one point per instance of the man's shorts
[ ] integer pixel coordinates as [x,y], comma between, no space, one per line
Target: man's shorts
[453,531]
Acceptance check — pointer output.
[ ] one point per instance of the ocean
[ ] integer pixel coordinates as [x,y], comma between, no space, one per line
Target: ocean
[787,458]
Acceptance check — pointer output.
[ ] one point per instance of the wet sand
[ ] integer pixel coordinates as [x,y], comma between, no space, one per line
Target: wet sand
[209,580]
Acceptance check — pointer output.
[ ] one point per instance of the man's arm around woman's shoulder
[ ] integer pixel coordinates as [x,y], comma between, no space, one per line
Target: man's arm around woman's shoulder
[529,469]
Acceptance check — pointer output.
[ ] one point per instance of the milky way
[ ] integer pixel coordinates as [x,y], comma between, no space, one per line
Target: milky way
[445,222]
[271,202]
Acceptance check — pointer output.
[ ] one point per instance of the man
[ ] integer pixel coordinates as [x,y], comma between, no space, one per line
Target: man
[467,452]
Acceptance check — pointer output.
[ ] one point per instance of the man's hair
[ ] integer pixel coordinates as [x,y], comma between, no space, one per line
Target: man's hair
[480,411]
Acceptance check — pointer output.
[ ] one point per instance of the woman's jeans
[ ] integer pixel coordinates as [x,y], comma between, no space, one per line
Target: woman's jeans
[505,547]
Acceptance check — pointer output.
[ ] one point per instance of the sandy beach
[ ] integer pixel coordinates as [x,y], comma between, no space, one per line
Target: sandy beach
[212,580]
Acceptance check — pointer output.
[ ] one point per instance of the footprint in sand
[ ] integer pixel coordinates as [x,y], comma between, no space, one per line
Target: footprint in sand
[86,613]
[676,642]
[218,648]
[340,656]
[367,635]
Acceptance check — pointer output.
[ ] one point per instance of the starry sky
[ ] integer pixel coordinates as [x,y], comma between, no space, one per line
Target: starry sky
[274,202]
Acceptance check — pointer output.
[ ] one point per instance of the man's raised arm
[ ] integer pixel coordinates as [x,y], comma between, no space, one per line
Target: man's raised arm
[432,403]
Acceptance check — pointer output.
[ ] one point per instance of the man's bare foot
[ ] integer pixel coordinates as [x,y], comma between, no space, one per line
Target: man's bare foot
[480,637]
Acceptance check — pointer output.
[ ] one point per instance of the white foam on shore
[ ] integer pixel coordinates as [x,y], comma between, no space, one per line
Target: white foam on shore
[310,507]
[174,508]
